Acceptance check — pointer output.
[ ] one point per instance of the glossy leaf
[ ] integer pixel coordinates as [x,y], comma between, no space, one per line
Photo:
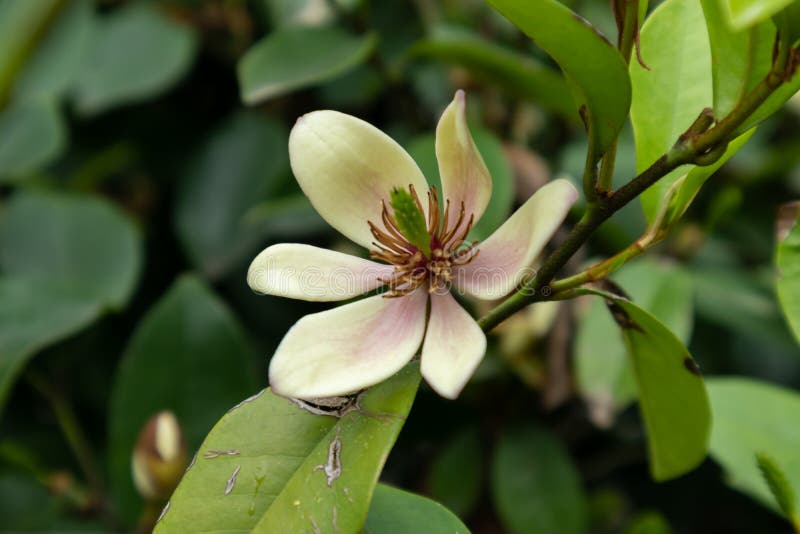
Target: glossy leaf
[394,511]
[672,396]
[752,417]
[788,284]
[668,97]
[64,259]
[594,68]
[294,470]
[243,161]
[456,473]
[295,58]
[741,14]
[136,52]
[188,355]
[535,486]
[32,134]
[519,75]
[604,373]
[499,208]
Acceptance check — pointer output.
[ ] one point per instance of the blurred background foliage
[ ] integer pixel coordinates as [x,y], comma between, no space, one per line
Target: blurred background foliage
[143,164]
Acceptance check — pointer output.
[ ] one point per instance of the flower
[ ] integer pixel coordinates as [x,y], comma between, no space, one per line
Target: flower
[353,174]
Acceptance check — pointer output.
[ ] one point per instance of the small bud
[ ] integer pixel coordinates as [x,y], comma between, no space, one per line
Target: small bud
[159,457]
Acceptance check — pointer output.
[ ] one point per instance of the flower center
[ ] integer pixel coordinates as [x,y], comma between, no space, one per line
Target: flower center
[421,251]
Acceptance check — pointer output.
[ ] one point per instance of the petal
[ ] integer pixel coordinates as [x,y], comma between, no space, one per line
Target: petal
[346,166]
[312,273]
[465,177]
[505,258]
[348,348]
[454,346]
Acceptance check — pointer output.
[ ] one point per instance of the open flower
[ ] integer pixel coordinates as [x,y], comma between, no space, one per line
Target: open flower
[368,188]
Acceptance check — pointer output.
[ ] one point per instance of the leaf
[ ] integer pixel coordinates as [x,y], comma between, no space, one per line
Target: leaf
[279,486]
[522,76]
[294,58]
[394,511]
[136,53]
[741,14]
[32,135]
[779,485]
[603,370]
[535,487]
[787,263]
[188,355]
[594,68]
[751,416]
[422,149]
[64,260]
[668,97]
[54,65]
[672,396]
[456,473]
[242,162]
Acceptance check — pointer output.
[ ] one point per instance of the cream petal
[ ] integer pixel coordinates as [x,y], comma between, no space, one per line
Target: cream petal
[505,258]
[346,166]
[465,177]
[454,346]
[348,348]
[312,273]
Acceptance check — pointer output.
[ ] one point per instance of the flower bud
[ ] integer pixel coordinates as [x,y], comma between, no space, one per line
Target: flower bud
[159,457]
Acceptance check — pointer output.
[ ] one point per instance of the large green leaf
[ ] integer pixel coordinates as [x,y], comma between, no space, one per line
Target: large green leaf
[32,134]
[787,262]
[742,14]
[64,259]
[456,473]
[422,149]
[239,166]
[136,52]
[188,355]
[294,58]
[294,472]
[603,369]
[535,486]
[519,75]
[593,66]
[672,396]
[394,511]
[668,97]
[754,417]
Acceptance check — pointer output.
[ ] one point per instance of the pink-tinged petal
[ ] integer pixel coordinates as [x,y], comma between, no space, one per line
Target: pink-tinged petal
[505,258]
[348,348]
[315,274]
[454,346]
[465,177]
[346,166]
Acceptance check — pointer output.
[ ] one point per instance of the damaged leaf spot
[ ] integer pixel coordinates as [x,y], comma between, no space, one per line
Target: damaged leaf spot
[232,481]
[331,406]
[622,318]
[216,453]
[692,366]
[333,467]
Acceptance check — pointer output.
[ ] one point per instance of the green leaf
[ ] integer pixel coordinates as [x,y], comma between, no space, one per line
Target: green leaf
[741,14]
[52,68]
[394,511]
[603,370]
[779,485]
[594,68]
[522,76]
[32,135]
[287,477]
[25,504]
[64,260]
[240,165]
[787,263]
[188,355]
[295,58]
[672,396]
[422,149]
[137,52]
[535,486]
[668,97]
[455,478]
[750,417]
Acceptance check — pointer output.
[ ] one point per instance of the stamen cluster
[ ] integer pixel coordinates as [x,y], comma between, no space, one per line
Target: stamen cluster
[412,267]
